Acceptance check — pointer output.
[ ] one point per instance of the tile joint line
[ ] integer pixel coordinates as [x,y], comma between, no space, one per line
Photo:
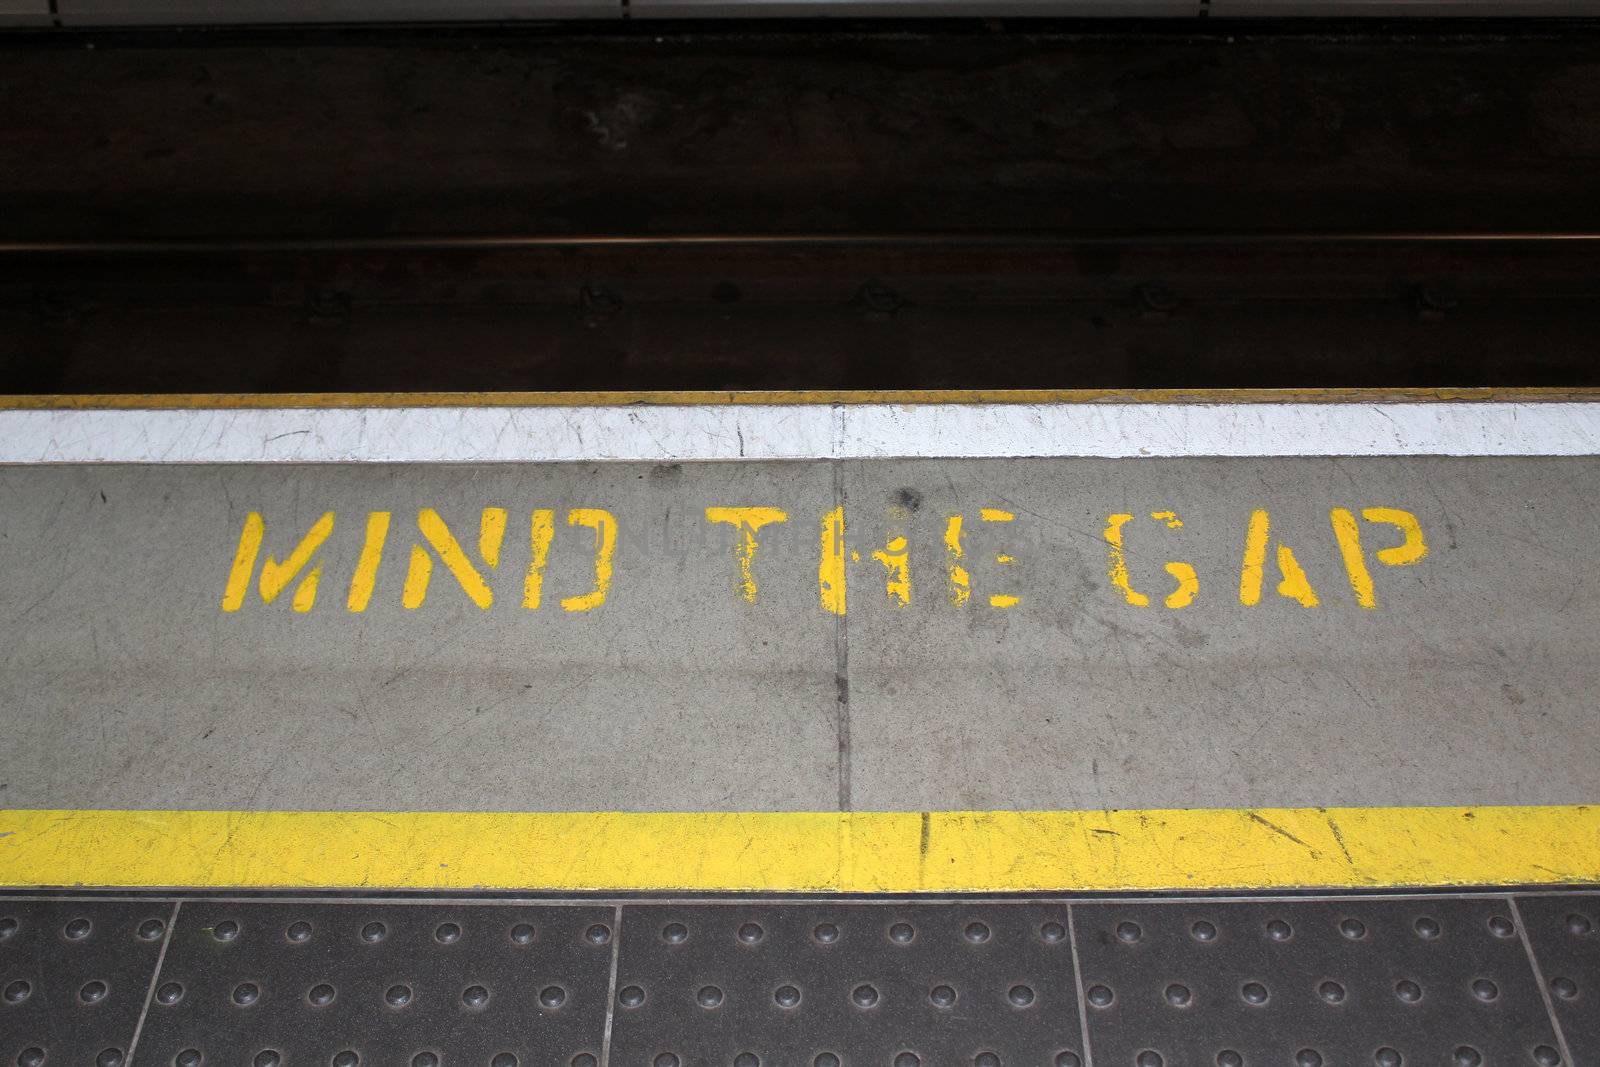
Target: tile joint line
[155,977]
[1077,978]
[1538,976]
[611,989]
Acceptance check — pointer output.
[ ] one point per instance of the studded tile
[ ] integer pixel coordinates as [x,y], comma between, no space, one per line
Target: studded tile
[1565,934]
[1310,984]
[846,985]
[286,985]
[73,978]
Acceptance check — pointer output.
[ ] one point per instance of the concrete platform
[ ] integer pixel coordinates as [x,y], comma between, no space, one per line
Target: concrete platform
[132,684]
[1084,669]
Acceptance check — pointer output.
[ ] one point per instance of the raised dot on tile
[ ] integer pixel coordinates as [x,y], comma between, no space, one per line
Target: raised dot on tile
[1099,996]
[1408,991]
[598,934]
[630,996]
[747,1059]
[1068,1058]
[1050,933]
[864,996]
[226,930]
[16,992]
[1332,992]
[942,996]
[1500,926]
[397,996]
[786,996]
[32,1056]
[1545,1056]
[674,933]
[522,934]
[1484,989]
[298,932]
[475,996]
[1020,996]
[8,927]
[109,1057]
[503,1059]
[825,933]
[189,1057]
[320,995]
[1308,1057]
[584,1059]
[1427,928]
[169,994]
[1352,929]
[1229,1058]
[907,1059]
[267,1057]
[1254,993]
[346,1058]
[1578,925]
[666,1059]
[977,933]
[151,930]
[447,933]
[93,992]
[1128,933]
[825,1059]
[1178,995]
[425,1059]
[986,1059]
[1387,1057]
[902,933]
[552,997]
[1148,1058]
[77,929]
[1278,930]
[374,932]
[246,994]
[751,933]
[1467,1056]
[1565,988]
[709,996]
[1203,931]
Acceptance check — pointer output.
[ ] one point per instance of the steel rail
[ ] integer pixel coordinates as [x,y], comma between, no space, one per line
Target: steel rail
[492,242]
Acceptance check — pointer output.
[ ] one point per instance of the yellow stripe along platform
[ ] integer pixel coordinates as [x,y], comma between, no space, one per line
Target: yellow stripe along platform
[850,852]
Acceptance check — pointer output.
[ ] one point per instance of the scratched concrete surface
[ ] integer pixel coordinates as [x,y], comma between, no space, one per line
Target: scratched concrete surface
[124,684]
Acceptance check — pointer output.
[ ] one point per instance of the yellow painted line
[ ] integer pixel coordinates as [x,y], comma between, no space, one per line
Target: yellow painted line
[688,398]
[939,852]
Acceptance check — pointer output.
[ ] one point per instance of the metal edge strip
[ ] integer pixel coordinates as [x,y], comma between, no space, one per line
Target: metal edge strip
[785,397]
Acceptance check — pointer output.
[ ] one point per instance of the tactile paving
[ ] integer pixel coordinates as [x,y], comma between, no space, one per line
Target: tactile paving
[74,977]
[1441,981]
[1565,934]
[1244,982]
[841,985]
[283,985]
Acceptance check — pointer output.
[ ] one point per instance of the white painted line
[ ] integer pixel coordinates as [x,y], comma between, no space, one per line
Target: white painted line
[795,432]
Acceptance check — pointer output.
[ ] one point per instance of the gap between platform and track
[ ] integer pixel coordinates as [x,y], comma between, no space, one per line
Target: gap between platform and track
[1131,851]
